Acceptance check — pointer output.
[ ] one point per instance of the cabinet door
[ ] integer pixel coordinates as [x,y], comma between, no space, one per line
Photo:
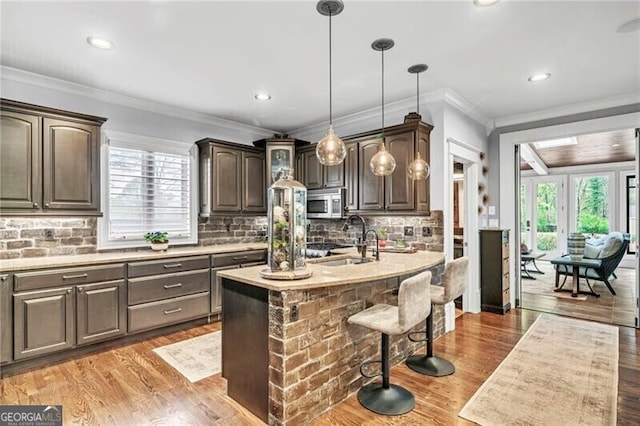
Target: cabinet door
[371,187]
[399,186]
[333,176]
[351,177]
[19,161]
[101,311]
[313,177]
[422,193]
[299,168]
[226,185]
[43,322]
[5,319]
[71,165]
[254,193]
[216,288]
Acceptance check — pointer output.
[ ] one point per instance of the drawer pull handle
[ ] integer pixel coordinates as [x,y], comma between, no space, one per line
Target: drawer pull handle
[71,277]
[240,257]
[4,277]
[172,265]
[168,286]
[172,311]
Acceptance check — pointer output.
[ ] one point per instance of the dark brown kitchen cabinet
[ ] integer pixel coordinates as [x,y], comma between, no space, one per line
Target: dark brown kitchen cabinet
[314,174]
[494,270]
[220,262]
[232,178]
[33,335]
[49,161]
[101,311]
[351,177]
[396,192]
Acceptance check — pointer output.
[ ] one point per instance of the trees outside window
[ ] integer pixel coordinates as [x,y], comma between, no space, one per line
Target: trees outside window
[592,204]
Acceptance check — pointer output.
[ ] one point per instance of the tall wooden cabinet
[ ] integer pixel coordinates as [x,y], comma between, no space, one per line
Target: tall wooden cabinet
[49,161]
[232,178]
[494,270]
[313,174]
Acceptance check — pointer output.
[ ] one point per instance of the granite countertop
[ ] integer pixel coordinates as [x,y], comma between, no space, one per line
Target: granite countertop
[390,265]
[22,264]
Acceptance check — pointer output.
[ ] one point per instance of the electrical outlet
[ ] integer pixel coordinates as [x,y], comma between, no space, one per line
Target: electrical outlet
[408,231]
[48,234]
[426,231]
[293,315]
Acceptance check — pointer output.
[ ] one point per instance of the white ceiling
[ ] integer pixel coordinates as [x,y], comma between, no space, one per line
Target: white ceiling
[212,57]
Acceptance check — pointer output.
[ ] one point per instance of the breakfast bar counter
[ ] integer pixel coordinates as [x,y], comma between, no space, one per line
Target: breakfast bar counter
[288,353]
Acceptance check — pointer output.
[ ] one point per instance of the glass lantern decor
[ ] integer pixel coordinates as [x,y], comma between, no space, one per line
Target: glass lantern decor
[286,229]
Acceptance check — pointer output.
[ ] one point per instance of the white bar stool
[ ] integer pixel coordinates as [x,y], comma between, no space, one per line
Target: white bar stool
[414,304]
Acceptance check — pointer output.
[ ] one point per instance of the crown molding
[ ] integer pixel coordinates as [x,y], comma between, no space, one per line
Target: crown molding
[39,80]
[612,102]
[454,99]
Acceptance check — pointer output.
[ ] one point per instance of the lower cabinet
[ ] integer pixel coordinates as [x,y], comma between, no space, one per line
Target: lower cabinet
[44,322]
[100,311]
[220,262]
[6,343]
[164,312]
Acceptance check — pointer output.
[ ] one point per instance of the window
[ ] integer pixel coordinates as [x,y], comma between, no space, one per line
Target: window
[631,213]
[592,201]
[149,186]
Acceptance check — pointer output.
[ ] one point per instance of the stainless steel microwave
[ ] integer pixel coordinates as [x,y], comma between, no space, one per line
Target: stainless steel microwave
[326,203]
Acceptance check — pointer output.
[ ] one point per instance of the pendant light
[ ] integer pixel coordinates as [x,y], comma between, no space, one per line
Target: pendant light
[418,169]
[382,163]
[331,150]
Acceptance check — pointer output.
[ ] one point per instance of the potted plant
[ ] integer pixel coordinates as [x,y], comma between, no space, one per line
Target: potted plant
[159,240]
[383,237]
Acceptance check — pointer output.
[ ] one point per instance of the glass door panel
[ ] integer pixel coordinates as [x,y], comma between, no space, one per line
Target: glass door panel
[546,227]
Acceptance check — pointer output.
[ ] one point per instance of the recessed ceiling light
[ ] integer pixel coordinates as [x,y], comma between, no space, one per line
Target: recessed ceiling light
[100,43]
[556,143]
[539,77]
[630,26]
[485,2]
[262,96]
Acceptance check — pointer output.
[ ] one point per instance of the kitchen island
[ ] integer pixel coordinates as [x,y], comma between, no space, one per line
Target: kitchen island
[288,353]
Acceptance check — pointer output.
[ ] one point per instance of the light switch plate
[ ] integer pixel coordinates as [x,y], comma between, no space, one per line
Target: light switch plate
[492,210]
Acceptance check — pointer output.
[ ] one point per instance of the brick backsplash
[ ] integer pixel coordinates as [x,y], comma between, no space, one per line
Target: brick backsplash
[25,237]
[331,230]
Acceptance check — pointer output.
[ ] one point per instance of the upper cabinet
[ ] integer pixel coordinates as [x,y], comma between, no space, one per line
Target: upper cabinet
[49,161]
[232,178]
[279,155]
[396,192]
[313,174]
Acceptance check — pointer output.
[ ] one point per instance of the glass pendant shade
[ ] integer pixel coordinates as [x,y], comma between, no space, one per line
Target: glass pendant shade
[382,163]
[331,150]
[419,169]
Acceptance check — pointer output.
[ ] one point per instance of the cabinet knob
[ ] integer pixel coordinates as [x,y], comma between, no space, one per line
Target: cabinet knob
[35,205]
[4,277]
[68,291]
[80,289]
[46,204]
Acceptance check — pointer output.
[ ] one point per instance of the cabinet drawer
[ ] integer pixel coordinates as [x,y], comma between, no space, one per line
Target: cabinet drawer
[506,297]
[237,258]
[505,266]
[165,312]
[505,251]
[505,281]
[176,264]
[158,287]
[63,277]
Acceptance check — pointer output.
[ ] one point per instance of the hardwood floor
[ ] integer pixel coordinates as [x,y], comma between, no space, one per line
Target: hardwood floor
[130,385]
[610,309]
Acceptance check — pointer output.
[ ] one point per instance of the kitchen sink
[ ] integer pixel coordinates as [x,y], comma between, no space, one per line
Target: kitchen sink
[348,261]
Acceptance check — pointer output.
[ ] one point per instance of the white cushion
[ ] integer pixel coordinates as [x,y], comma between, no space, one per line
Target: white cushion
[591,251]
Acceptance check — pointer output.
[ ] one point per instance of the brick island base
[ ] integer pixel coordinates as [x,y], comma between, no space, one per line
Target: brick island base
[289,355]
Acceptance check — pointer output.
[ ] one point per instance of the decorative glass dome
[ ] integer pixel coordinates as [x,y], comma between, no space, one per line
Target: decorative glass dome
[286,229]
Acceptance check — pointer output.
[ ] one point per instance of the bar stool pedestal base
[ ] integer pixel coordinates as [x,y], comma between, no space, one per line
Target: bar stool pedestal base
[392,401]
[430,365]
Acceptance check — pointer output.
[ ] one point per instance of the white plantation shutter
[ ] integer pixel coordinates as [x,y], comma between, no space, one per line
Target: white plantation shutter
[149,185]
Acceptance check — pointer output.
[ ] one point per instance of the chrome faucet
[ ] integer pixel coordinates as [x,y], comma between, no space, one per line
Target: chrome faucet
[362,245]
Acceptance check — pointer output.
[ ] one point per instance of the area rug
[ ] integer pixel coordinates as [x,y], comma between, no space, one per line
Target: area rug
[194,358]
[544,287]
[562,372]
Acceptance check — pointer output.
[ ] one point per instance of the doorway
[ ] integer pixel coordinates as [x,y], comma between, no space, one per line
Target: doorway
[459,207]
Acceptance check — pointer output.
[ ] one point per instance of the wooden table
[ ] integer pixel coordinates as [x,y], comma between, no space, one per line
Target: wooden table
[576,264]
[525,259]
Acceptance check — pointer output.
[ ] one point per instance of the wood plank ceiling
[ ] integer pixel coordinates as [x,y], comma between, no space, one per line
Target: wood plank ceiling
[610,147]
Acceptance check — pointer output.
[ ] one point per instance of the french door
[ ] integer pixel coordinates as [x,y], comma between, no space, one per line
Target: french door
[542,215]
